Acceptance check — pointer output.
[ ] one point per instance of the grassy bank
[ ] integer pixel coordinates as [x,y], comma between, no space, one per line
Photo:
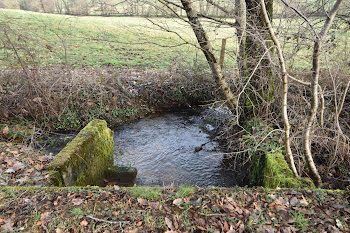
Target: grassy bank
[140,43]
[123,42]
[143,209]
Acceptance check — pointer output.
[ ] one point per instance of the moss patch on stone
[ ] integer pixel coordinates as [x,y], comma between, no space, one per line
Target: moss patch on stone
[272,171]
[85,160]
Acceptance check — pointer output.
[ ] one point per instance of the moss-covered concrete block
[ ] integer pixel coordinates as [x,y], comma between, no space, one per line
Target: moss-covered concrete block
[272,171]
[85,160]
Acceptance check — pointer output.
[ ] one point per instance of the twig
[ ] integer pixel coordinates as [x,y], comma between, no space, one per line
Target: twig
[211,215]
[45,228]
[302,16]
[106,221]
[343,98]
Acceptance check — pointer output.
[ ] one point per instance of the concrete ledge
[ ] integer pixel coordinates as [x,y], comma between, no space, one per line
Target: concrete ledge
[125,176]
[85,160]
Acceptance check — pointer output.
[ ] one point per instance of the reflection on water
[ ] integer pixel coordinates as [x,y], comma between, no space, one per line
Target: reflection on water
[163,151]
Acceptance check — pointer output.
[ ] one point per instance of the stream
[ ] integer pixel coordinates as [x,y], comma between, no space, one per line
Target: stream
[172,149]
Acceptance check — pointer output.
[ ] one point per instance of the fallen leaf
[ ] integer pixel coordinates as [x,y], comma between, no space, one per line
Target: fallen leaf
[154,205]
[59,230]
[176,224]
[239,210]
[337,206]
[14,152]
[37,99]
[229,207]
[5,131]
[38,167]
[266,228]
[38,223]
[169,223]
[77,201]
[177,201]
[10,170]
[142,201]
[339,224]
[303,201]
[30,161]
[18,166]
[44,158]
[45,217]
[200,221]
[139,224]
[226,227]
[286,230]
[84,223]
[132,231]
[294,201]
[7,227]
[231,230]
[280,201]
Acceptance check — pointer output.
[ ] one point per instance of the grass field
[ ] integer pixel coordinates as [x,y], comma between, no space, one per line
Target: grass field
[124,42]
[136,42]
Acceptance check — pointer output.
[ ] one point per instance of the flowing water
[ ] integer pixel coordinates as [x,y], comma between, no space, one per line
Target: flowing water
[163,149]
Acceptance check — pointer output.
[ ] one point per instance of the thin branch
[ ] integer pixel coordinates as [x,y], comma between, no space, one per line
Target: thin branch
[343,97]
[314,86]
[106,221]
[285,90]
[218,6]
[302,16]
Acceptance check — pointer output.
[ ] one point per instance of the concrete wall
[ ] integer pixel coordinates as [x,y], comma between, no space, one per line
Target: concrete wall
[85,160]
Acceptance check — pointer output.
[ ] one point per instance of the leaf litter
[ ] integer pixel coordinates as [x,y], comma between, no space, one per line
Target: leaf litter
[87,209]
[21,165]
[116,209]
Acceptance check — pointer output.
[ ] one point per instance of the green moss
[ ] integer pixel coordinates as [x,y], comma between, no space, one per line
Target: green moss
[85,160]
[271,171]
[149,193]
[185,191]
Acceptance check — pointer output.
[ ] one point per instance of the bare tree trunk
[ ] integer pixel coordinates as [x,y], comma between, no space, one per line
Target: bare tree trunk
[58,6]
[257,34]
[207,49]
[201,7]
[290,158]
[42,6]
[241,13]
[314,85]
[67,7]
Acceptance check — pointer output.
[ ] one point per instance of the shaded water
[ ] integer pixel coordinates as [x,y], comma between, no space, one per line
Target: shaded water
[163,151]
